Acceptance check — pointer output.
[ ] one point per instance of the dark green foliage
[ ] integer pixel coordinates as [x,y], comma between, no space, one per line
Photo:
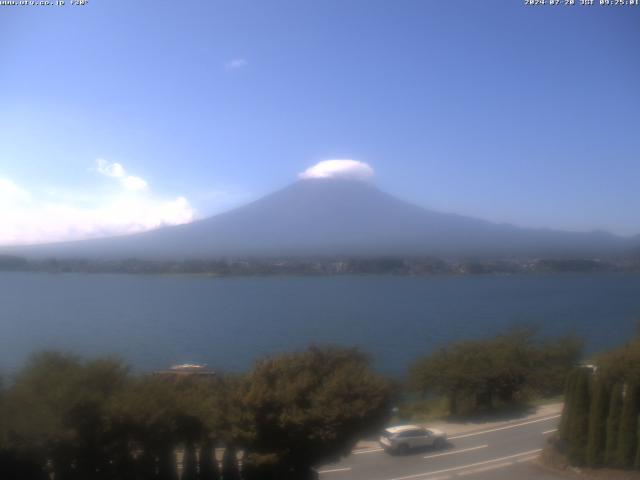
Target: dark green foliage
[622,365]
[189,463]
[209,469]
[613,425]
[159,413]
[312,407]
[555,359]
[58,408]
[616,391]
[567,412]
[598,422]
[91,420]
[496,371]
[627,433]
[15,464]
[230,469]
[579,419]
[636,462]
[263,467]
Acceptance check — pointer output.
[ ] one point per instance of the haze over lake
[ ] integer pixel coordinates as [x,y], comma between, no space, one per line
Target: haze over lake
[154,321]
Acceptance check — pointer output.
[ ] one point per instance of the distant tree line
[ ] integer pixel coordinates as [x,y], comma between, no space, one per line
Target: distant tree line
[600,422]
[83,420]
[367,265]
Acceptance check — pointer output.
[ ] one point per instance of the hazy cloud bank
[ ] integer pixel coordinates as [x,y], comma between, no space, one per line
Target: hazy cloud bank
[124,206]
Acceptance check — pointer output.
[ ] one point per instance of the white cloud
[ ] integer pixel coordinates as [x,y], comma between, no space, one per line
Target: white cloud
[346,169]
[236,63]
[10,192]
[49,216]
[114,170]
[134,183]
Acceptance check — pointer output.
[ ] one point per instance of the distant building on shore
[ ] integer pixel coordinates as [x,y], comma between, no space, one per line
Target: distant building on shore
[187,369]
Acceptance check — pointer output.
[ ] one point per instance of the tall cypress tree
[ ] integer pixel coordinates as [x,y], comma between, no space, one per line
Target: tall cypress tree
[598,422]
[613,425]
[230,469]
[579,419]
[208,462]
[627,434]
[565,421]
[189,463]
[636,463]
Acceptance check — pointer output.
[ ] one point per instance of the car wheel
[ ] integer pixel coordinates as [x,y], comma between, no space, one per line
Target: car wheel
[439,443]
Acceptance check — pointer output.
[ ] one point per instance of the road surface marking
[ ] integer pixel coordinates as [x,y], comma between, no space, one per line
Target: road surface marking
[505,428]
[485,469]
[368,451]
[334,470]
[527,459]
[456,451]
[463,467]
[550,431]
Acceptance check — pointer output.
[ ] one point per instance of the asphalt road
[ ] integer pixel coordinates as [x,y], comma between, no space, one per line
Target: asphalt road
[505,452]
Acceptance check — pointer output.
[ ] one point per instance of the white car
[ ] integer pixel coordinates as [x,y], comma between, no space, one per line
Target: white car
[405,437]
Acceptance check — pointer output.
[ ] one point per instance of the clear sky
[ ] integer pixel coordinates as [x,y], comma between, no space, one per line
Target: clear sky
[122,115]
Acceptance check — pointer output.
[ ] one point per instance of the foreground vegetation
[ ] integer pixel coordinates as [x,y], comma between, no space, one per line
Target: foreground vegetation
[600,423]
[94,420]
[482,375]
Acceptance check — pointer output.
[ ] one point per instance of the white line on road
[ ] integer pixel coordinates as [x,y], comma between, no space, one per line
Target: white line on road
[456,451]
[550,431]
[505,428]
[527,459]
[334,470]
[368,451]
[462,467]
[485,469]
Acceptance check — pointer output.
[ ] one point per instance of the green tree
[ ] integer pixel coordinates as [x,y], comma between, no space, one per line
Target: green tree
[567,411]
[312,407]
[189,463]
[627,433]
[57,411]
[579,420]
[208,463]
[613,425]
[598,422]
[149,413]
[499,370]
[230,470]
[262,467]
[556,358]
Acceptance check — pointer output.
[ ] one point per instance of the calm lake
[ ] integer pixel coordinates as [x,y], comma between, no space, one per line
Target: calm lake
[154,321]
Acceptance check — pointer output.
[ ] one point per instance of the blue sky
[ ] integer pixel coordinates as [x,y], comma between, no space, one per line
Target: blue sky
[512,113]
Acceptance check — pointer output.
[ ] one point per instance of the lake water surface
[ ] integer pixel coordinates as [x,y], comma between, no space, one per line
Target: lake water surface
[154,321]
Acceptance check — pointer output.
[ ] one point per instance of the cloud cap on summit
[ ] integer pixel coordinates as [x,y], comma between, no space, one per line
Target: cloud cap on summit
[339,168]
